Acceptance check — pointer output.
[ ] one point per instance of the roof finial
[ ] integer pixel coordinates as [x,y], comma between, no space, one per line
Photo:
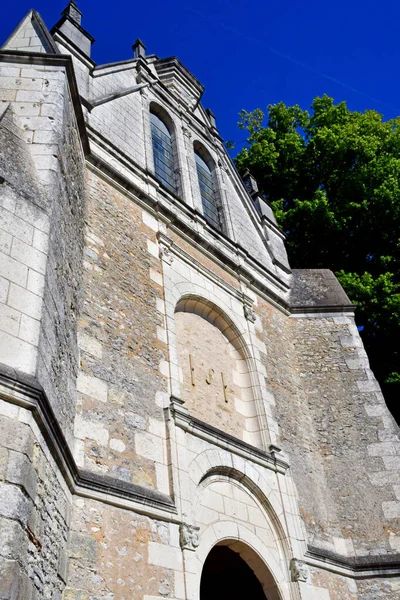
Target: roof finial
[73,12]
[211,116]
[139,49]
[250,183]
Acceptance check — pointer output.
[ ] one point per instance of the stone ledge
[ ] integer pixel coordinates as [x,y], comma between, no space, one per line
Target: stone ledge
[359,567]
[317,289]
[198,428]
[25,391]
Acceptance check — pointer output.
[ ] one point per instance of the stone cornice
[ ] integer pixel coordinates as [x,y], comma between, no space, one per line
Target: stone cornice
[26,392]
[358,567]
[204,431]
[164,240]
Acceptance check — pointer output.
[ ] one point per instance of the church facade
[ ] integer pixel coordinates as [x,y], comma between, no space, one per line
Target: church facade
[182,415]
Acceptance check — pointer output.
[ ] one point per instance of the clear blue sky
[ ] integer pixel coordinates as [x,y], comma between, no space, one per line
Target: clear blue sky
[251,53]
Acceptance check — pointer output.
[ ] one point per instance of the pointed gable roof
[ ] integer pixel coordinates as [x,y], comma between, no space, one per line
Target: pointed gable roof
[31,35]
[179,80]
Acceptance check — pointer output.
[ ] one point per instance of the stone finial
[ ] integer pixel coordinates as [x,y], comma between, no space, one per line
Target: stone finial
[139,49]
[250,183]
[73,12]
[211,116]
[298,570]
[189,537]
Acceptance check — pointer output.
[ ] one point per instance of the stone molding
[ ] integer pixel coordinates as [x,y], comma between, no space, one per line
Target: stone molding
[166,242]
[358,567]
[24,391]
[204,431]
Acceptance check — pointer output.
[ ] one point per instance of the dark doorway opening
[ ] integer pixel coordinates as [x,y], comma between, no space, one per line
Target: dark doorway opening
[226,576]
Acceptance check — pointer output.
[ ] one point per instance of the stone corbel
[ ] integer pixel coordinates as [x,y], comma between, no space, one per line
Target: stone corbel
[189,537]
[165,249]
[222,165]
[186,132]
[298,570]
[249,313]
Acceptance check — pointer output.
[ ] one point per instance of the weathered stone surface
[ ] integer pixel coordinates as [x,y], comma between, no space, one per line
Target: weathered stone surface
[316,288]
[119,471]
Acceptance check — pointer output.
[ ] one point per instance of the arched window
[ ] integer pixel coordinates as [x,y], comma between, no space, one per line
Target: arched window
[163,152]
[207,190]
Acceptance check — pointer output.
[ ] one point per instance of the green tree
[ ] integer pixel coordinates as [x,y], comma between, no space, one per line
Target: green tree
[333,178]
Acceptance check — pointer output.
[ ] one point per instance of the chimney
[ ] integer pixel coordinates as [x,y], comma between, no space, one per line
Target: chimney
[69,27]
[73,12]
[139,49]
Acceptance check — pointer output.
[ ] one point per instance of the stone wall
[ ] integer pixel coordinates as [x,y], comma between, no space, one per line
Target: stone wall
[23,227]
[34,512]
[215,382]
[339,437]
[119,425]
[58,360]
[42,162]
[116,554]
[107,283]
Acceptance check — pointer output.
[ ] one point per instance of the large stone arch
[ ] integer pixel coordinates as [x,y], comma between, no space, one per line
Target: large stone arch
[273,576]
[216,369]
[262,484]
[183,282]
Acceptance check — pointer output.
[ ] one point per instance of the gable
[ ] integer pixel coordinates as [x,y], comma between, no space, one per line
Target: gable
[31,35]
[179,81]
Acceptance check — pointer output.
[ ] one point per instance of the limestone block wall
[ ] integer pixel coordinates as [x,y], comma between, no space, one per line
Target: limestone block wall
[58,362]
[42,199]
[119,122]
[25,38]
[24,227]
[216,385]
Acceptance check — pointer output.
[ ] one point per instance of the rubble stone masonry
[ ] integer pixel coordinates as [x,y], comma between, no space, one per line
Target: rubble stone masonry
[168,387]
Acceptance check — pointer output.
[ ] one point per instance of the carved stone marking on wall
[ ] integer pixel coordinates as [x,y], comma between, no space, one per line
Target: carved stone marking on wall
[298,570]
[165,249]
[166,255]
[189,537]
[208,378]
[249,313]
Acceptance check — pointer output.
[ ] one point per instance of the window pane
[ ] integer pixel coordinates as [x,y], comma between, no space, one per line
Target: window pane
[210,208]
[162,152]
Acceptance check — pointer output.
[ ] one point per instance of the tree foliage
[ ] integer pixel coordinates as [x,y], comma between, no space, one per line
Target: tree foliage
[333,178]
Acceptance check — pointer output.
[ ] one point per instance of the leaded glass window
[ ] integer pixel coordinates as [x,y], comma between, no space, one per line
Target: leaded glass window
[163,153]
[208,198]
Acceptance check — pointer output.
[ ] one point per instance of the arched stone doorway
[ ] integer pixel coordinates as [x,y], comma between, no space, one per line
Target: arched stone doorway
[226,576]
[233,571]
